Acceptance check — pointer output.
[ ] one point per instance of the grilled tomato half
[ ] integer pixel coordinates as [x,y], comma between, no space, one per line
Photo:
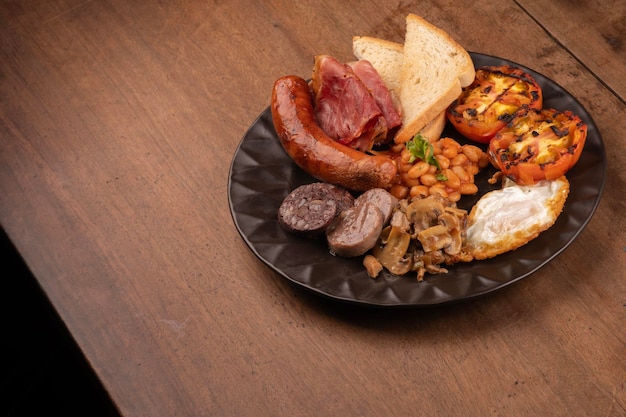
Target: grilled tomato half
[489,103]
[538,144]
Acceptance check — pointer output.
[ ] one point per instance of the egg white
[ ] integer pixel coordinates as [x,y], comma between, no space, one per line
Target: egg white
[503,220]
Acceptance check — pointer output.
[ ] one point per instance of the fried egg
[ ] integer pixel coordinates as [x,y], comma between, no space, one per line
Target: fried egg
[503,220]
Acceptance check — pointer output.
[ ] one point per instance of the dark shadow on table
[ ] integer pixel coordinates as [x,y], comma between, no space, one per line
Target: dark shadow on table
[42,371]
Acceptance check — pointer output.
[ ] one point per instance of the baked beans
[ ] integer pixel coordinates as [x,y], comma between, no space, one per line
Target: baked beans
[455,178]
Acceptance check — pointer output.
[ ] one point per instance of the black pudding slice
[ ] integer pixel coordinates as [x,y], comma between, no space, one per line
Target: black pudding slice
[310,209]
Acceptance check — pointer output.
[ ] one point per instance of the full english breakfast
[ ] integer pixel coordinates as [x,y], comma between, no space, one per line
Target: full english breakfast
[370,131]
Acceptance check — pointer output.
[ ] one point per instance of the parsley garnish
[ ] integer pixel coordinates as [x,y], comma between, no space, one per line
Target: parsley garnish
[421,148]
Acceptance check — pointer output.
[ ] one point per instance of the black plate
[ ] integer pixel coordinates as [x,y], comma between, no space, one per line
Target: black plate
[262,174]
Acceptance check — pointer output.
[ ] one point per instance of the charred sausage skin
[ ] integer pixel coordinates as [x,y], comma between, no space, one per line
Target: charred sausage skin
[316,153]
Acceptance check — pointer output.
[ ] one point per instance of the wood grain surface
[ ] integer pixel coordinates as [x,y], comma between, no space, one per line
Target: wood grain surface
[118,123]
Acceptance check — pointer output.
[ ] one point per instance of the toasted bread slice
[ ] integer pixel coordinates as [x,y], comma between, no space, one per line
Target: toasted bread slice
[452,53]
[434,69]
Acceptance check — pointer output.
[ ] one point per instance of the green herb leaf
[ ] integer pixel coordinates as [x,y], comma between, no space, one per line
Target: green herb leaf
[441,177]
[421,148]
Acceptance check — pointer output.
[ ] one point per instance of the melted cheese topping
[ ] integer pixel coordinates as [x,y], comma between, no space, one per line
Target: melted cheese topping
[503,220]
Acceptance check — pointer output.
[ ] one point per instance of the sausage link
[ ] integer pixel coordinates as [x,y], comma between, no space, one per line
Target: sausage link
[315,152]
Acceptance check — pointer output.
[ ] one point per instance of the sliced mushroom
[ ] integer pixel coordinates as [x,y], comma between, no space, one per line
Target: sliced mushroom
[435,257]
[422,236]
[423,213]
[392,254]
[454,248]
[449,220]
[460,214]
[429,263]
[434,238]
[372,266]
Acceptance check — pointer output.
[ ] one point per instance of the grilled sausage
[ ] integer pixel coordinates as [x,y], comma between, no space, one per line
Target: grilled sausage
[316,153]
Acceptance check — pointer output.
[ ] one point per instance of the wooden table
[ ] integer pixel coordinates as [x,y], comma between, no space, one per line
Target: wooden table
[118,123]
